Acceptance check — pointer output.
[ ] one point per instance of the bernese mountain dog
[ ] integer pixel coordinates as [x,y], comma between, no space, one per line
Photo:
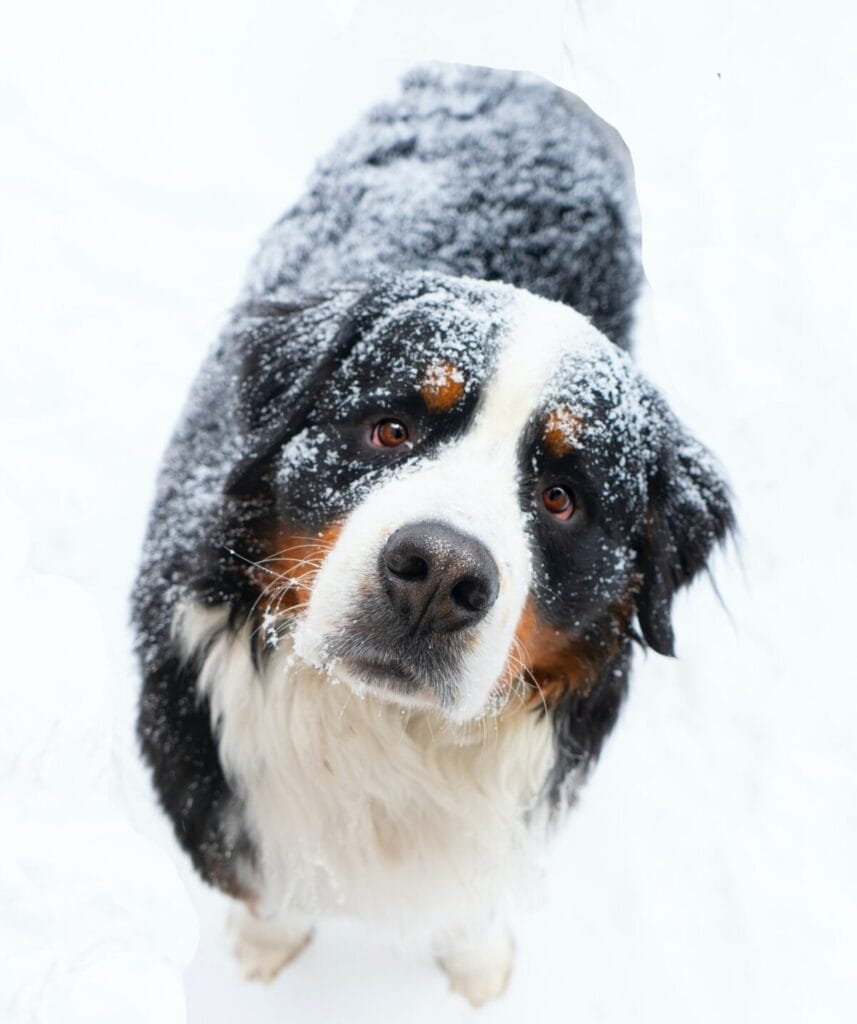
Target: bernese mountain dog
[418,509]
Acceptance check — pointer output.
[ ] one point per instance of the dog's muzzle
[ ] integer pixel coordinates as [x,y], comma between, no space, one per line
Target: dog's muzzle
[414,625]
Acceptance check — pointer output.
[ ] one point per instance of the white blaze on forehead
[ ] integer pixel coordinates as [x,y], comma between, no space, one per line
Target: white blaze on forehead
[540,333]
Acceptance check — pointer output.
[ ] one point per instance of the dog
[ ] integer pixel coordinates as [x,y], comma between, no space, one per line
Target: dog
[418,510]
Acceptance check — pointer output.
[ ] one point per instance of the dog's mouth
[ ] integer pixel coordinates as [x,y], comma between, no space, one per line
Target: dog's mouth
[387,680]
[386,671]
[372,652]
[373,670]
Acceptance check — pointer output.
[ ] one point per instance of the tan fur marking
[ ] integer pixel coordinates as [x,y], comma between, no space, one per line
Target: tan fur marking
[286,577]
[562,431]
[555,663]
[442,386]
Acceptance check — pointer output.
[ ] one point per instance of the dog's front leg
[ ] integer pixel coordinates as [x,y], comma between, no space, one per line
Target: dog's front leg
[477,961]
[263,946]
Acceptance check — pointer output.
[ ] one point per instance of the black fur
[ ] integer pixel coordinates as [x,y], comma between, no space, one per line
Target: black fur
[490,174]
[581,724]
[176,738]
[689,512]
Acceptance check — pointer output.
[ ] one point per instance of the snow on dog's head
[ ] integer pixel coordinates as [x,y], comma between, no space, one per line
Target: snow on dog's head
[472,492]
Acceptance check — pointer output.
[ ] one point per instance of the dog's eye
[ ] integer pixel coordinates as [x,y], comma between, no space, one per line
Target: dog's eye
[559,501]
[389,434]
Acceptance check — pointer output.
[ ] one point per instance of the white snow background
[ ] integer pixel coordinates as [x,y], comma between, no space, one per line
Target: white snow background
[709,872]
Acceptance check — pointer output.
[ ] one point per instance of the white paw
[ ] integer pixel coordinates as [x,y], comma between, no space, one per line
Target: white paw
[480,976]
[260,963]
[263,948]
[482,987]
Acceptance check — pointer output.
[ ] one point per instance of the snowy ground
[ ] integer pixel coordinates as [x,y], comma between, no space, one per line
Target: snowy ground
[708,874]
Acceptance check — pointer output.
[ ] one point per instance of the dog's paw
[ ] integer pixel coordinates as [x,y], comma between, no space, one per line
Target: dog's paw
[481,986]
[264,963]
[263,948]
[479,974]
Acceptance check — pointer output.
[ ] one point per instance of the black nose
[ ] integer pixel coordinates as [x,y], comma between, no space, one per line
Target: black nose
[437,579]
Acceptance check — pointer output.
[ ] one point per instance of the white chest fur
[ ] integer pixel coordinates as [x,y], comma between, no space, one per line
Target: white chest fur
[360,806]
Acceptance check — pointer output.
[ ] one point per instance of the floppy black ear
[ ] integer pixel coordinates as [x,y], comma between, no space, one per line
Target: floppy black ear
[689,512]
[286,350]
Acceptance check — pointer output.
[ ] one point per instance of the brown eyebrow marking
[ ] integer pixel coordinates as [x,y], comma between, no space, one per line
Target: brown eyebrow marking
[442,386]
[562,430]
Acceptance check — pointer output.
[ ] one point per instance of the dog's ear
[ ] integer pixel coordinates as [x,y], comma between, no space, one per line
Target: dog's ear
[284,351]
[689,512]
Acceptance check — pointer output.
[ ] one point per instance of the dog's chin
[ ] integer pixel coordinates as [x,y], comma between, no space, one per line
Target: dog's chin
[386,682]
[377,674]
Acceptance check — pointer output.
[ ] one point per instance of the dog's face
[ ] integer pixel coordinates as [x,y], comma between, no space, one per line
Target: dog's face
[477,487]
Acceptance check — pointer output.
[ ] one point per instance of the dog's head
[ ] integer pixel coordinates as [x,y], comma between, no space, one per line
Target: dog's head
[463,486]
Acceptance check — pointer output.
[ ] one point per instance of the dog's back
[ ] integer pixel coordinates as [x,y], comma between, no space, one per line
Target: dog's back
[496,175]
